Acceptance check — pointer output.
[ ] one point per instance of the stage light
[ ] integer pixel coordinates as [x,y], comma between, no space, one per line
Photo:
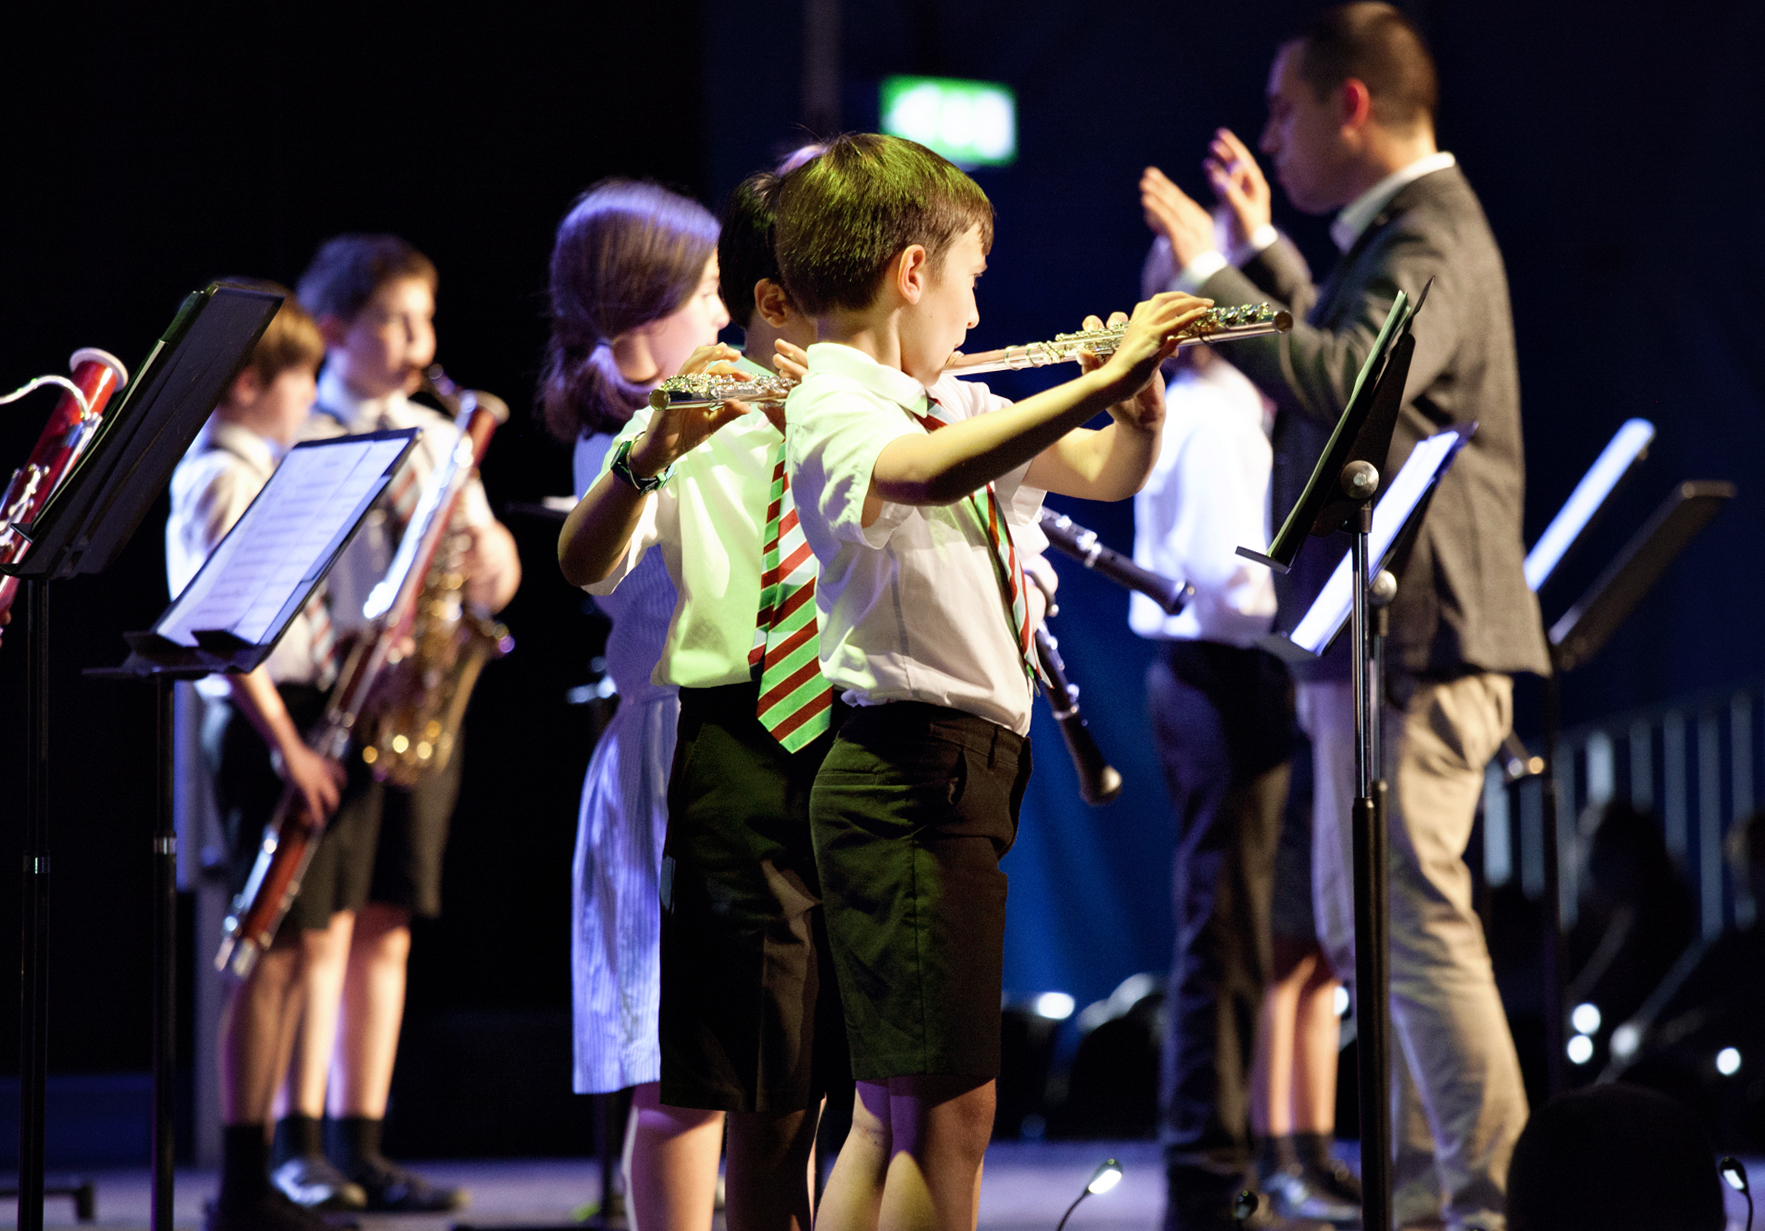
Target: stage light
[1728,1061]
[1586,1018]
[1106,1177]
[1055,1006]
[972,123]
[1580,1049]
[1340,1001]
[1735,1173]
[1625,1040]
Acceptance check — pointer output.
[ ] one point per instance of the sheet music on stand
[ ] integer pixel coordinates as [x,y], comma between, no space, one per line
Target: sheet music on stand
[1394,513]
[1629,446]
[262,573]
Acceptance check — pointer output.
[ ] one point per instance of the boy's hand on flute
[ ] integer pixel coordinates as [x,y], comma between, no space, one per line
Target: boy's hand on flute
[1151,338]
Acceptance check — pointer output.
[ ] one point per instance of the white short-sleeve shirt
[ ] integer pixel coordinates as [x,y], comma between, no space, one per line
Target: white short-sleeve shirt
[708,522]
[226,467]
[910,606]
[340,412]
[1208,495]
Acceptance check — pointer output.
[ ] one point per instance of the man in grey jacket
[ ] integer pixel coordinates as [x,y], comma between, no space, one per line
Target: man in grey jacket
[1351,129]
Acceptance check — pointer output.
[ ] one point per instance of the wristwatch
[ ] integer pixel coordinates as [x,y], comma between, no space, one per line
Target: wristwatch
[621,469]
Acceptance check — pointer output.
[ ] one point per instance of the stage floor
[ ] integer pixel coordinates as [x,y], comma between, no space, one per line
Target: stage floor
[1026,1188]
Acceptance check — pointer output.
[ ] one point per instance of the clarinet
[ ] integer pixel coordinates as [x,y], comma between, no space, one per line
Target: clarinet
[1216,325]
[1084,546]
[1098,780]
[96,376]
[291,837]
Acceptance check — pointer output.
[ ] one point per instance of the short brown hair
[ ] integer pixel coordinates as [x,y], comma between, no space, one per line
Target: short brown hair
[291,341]
[844,216]
[629,252]
[347,271]
[1378,46]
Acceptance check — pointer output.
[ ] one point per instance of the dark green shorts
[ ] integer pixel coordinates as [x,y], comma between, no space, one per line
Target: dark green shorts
[912,811]
[750,1017]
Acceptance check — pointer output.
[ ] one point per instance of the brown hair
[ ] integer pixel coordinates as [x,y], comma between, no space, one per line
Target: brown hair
[292,339]
[347,271]
[746,252]
[1378,46]
[844,216]
[629,252]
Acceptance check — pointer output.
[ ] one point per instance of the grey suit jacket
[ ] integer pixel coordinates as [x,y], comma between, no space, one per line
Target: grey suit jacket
[1462,602]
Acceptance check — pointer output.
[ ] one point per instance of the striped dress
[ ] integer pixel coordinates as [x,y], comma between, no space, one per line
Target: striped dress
[616,916]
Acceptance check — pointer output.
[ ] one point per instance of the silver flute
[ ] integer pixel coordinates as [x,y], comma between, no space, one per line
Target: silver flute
[1216,325]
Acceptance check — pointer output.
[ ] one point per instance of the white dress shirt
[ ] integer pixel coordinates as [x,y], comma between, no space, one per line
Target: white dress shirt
[225,468]
[341,412]
[910,606]
[708,522]
[1208,495]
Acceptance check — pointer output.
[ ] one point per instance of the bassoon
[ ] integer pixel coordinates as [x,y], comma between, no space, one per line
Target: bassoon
[291,838]
[96,376]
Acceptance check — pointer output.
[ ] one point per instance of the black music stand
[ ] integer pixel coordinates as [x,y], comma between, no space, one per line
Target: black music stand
[1566,531]
[82,528]
[258,578]
[1340,495]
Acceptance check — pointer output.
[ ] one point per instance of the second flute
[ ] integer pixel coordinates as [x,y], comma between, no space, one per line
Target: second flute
[1215,325]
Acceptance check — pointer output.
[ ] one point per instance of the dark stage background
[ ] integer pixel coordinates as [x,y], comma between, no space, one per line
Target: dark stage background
[1617,155]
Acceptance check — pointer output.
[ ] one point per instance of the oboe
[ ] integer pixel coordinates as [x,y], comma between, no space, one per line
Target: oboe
[1084,546]
[1215,325]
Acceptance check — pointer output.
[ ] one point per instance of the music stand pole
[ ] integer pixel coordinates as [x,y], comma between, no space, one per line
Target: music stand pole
[33,1032]
[1552,957]
[165,967]
[1372,969]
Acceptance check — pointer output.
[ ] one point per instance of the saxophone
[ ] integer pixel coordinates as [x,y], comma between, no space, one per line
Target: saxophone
[412,716]
[405,681]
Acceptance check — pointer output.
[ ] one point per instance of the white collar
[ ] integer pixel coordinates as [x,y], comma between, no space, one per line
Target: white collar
[355,412]
[1359,213]
[235,438]
[838,359]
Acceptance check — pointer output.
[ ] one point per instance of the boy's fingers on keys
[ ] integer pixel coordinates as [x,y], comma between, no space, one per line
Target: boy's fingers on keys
[1117,319]
[1090,324]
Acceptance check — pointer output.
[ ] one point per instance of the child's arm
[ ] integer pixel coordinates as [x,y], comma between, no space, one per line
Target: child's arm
[599,528]
[318,779]
[1111,464]
[944,466]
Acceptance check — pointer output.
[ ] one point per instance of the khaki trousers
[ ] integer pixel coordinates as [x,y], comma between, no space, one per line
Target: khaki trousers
[1458,1103]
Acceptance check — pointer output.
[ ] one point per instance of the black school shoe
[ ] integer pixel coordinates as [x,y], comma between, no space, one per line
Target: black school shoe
[392,1189]
[272,1211]
[316,1184]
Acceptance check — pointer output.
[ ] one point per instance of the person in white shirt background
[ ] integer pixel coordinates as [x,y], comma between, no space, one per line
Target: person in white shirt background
[1249,1052]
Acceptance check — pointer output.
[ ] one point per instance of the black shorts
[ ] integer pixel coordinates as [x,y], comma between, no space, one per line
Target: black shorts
[750,1019]
[912,811]
[383,844]
[247,790]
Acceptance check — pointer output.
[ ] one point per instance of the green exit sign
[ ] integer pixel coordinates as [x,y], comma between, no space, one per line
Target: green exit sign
[972,123]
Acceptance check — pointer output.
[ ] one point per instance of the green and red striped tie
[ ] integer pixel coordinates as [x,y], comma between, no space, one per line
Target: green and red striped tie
[795,701]
[991,513]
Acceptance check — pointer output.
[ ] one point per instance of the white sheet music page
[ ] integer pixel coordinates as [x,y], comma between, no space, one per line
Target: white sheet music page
[1331,609]
[282,542]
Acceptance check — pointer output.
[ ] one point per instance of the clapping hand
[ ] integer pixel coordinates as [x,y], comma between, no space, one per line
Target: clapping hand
[1175,214]
[1239,184]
